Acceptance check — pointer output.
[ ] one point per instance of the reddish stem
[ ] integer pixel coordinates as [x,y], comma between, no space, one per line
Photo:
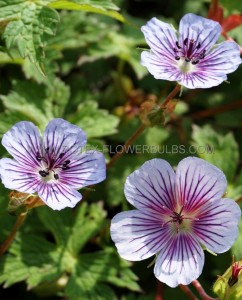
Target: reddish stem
[187,291]
[171,95]
[142,127]
[5,245]
[135,135]
[201,291]
[159,290]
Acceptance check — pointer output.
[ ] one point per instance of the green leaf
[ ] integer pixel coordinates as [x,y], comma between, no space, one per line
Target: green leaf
[74,229]
[14,102]
[30,258]
[121,45]
[95,122]
[95,269]
[57,97]
[35,103]
[236,248]
[220,150]
[29,24]
[100,7]
[224,291]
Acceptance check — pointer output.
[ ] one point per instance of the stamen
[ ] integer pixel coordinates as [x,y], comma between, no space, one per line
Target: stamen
[177,57]
[43,173]
[65,167]
[202,55]
[178,46]
[66,162]
[38,157]
[185,41]
[61,155]
[198,46]
[56,176]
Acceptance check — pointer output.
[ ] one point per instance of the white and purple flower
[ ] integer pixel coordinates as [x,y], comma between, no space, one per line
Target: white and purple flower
[176,217]
[54,166]
[191,58]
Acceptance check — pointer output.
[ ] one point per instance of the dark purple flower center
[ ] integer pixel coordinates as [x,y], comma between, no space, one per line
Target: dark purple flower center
[178,218]
[190,51]
[52,163]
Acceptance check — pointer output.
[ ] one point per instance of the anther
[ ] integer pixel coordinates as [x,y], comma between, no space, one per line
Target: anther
[194,62]
[198,46]
[56,176]
[65,167]
[177,57]
[185,41]
[202,55]
[38,157]
[178,46]
[43,173]
[66,162]
[187,59]
[61,155]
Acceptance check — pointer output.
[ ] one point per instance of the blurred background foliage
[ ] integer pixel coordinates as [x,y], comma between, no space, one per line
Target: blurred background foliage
[80,60]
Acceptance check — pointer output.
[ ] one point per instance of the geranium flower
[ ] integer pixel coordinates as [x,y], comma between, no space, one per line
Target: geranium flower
[53,166]
[176,216]
[191,58]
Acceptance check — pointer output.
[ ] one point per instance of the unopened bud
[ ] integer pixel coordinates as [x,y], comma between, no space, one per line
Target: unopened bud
[151,114]
[21,202]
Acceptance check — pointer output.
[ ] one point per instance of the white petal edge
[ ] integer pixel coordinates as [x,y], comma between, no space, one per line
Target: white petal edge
[23,141]
[199,29]
[223,59]
[16,176]
[152,186]
[138,235]
[180,262]
[198,182]
[58,196]
[202,79]
[160,36]
[217,227]
[60,136]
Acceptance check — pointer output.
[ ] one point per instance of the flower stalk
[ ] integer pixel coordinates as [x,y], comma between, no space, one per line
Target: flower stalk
[142,127]
[201,291]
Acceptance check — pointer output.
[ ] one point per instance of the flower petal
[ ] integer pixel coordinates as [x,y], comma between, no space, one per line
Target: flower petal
[180,261]
[61,136]
[23,141]
[201,79]
[224,59]
[217,227]
[138,234]
[16,176]
[88,169]
[198,182]
[202,30]
[159,67]
[152,186]
[58,196]
[161,38]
